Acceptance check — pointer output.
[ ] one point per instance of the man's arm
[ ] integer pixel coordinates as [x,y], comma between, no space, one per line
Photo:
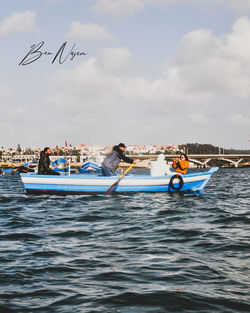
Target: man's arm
[124,158]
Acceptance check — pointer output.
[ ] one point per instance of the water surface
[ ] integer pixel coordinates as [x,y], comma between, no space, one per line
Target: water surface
[127,253]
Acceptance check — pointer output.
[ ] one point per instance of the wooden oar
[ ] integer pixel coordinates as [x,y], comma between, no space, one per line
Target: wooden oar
[111,188]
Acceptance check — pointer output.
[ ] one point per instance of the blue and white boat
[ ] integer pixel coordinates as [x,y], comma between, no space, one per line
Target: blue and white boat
[60,165]
[90,167]
[99,184]
[7,170]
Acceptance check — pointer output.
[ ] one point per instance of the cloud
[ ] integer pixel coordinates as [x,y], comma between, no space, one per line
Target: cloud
[18,22]
[110,79]
[205,65]
[88,31]
[239,119]
[131,7]
[205,83]
[116,61]
[216,64]
[11,113]
[239,5]
[118,7]
[199,119]
[238,42]
[54,1]
[5,93]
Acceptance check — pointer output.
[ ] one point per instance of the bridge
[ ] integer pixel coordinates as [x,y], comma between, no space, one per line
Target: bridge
[202,160]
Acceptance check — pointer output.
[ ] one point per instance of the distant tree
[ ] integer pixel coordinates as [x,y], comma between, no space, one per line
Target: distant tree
[236,151]
[196,148]
[75,152]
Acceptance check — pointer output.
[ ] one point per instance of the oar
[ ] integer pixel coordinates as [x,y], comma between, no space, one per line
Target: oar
[111,188]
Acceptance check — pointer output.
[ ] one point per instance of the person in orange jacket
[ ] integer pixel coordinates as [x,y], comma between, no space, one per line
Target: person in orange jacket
[181,164]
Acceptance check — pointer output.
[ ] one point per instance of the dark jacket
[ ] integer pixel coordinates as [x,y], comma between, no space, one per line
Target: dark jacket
[114,158]
[43,165]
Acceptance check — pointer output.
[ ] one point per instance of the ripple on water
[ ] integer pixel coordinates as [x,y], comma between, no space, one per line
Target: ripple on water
[128,253]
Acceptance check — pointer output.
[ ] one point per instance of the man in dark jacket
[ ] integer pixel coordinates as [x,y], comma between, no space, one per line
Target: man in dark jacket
[44,163]
[110,163]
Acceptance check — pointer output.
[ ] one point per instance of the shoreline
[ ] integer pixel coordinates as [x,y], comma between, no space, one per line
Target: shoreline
[144,164]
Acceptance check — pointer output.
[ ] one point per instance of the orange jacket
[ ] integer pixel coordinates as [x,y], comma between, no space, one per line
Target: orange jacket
[181,166]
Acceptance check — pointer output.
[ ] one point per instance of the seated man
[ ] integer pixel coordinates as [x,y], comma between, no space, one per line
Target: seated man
[112,160]
[44,163]
[181,164]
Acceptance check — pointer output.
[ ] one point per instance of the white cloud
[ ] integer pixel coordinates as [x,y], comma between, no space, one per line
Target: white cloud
[110,78]
[131,7]
[5,93]
[11,113]
[199,119]
[239,5]
[216,64]
[88,31]
[238,42]
[118,7]
[204,66]
[207,82]
[55,1]
[18,22]
[116,61]
[239,119]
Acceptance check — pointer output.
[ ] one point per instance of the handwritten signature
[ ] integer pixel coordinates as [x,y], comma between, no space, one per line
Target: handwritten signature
[61,56]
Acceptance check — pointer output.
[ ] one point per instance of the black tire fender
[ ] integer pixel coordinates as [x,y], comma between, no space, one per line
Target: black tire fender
[171,183]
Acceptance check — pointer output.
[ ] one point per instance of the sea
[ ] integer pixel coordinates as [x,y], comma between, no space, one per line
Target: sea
[127,253]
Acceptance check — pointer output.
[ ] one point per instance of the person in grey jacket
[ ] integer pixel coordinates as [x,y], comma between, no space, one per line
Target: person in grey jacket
[110,163]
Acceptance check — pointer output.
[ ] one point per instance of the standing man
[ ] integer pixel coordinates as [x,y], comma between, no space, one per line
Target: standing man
[110,163]
[44,163]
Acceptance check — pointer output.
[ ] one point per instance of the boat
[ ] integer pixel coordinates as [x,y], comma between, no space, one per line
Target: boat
[60,165]
[7,170]
[16,168]
[99,184]
[90,167]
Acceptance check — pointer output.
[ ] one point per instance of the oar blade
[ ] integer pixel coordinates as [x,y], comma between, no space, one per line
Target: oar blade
[111,188]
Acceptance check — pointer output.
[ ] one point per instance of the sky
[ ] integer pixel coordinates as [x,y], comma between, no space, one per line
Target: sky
[100,72]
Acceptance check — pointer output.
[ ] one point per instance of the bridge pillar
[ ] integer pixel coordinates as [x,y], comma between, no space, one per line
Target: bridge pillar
[202,164]
[236,164]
